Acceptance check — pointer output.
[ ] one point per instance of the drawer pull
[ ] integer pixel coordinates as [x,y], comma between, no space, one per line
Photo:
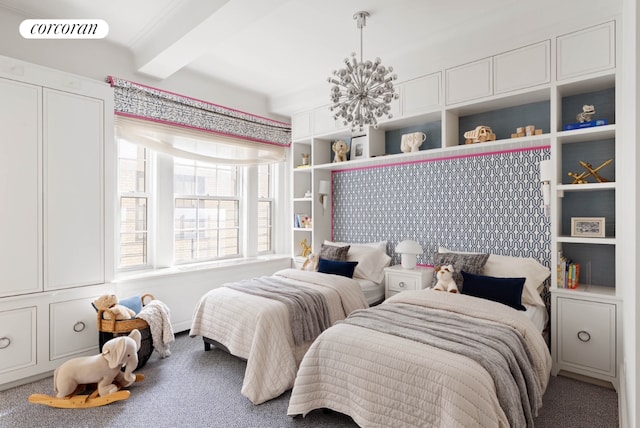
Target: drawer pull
[4,342]
[79,326]
[401,284]
[584,336]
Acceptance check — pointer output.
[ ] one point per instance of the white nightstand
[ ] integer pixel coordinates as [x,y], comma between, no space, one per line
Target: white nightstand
[397,279]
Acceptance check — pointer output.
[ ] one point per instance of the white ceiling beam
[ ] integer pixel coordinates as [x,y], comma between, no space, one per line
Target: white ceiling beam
[171,46]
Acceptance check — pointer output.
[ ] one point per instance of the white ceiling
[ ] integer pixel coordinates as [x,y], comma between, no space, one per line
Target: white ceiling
[281,47]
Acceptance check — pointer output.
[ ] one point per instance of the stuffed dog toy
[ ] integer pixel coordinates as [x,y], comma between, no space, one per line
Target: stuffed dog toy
[445,282]
[103,369]
[340,148]
[110,301]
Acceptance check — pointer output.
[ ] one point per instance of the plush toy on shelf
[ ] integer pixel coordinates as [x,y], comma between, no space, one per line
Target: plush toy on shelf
[444,274]
[340,149]
[110,304]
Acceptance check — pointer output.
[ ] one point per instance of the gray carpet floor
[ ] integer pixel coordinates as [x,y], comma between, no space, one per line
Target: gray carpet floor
[194,388]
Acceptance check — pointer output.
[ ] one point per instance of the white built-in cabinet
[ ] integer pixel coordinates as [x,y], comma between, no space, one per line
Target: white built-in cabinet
[55,148]
[585,327]
[73,189]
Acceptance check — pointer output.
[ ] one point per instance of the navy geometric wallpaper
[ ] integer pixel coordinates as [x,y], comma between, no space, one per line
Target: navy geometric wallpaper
[489,202]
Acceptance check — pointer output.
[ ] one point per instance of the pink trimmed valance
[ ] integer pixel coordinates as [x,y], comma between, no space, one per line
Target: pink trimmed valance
[143,102]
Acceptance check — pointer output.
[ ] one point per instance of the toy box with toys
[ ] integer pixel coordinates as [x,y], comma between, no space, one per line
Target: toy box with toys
[117,318]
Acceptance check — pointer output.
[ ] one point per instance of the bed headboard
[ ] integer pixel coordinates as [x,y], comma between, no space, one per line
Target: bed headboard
[483,202]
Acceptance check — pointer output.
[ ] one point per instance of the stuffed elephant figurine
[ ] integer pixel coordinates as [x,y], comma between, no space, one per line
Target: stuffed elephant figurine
[102,369]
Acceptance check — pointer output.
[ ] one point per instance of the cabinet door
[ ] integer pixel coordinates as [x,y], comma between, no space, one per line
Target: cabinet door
[74,193]
[323,121]
[587,336]
[421,95]
[20,192]
[469,81]
[586,51]
[17,339]
[74,328]
[522,68]
[300,125]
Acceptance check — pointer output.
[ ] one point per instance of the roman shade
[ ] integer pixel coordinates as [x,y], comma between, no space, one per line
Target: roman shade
[193,129]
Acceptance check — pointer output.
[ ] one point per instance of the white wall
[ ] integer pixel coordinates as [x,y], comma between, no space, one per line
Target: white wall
[628,233]
[98,59]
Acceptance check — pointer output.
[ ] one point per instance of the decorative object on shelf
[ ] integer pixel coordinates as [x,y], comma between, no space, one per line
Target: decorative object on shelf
[590,171]
[359,148]
[481,134]
[445,281]
[586,113]
[340,150]
[363,90]
[587,227]
[324,189]
[412,142]
[301,221]
[546,168]
[306,248]
[526,131]
[305,159]
[590,124]
[409,251]
[308,194]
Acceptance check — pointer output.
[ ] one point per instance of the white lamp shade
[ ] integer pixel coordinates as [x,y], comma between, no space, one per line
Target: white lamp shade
[324,187]
[409,251]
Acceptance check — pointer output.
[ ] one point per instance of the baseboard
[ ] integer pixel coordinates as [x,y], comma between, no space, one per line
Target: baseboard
[586,379]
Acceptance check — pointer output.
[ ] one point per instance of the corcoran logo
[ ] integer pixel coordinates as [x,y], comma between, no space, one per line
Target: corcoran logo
[64,29]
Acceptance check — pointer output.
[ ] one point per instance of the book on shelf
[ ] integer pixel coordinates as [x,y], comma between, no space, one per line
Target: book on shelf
[568,272]
[589,124]
[301,220]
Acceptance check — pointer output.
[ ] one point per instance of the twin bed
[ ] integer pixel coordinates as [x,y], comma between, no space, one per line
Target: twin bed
[421,358]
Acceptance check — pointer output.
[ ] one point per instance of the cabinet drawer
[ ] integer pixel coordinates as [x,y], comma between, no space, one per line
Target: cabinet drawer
[396,282]
[17,339]
[587,335]
[74,328]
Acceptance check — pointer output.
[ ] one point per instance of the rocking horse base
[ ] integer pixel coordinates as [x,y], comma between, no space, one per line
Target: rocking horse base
[82,401]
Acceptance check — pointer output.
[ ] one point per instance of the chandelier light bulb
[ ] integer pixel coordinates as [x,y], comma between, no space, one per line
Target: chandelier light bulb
[362,90]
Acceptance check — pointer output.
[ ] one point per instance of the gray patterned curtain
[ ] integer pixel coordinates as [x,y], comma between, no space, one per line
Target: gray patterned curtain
[188,127]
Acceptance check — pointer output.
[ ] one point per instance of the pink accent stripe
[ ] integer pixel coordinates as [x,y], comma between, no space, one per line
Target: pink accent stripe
[111,81]
[444,158]
[166,122]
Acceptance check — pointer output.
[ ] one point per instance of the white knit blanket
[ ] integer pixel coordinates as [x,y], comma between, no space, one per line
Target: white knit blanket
[157,315]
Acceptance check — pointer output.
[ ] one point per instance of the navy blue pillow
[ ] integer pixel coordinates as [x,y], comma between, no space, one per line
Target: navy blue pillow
[337,267]
[507,291]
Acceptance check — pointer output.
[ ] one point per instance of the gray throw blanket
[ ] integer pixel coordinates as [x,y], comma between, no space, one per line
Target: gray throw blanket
[308,312]
[501,350]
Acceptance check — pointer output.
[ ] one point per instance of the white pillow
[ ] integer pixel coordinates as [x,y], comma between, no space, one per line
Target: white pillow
[516,267]
[371,257]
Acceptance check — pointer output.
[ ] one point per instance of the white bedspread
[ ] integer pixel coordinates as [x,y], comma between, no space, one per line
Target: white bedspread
[383,380]
[258,330]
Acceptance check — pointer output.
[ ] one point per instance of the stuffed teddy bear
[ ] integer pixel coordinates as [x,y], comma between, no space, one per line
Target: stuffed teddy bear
[445,282]
[103,369]
[110,301]
[340,148]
